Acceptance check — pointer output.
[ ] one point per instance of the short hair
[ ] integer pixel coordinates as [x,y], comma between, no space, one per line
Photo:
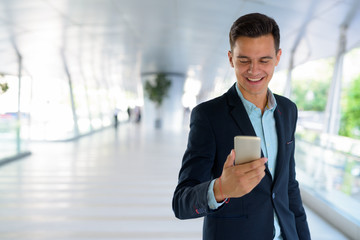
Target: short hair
[254,25]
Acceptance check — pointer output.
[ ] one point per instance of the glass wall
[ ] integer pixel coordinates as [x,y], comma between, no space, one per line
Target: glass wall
[14,124]
[327,165]
[56,117]
[56,109]
[51,113]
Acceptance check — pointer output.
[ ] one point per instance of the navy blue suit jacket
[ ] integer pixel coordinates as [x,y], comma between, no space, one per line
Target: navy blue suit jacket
[213,126]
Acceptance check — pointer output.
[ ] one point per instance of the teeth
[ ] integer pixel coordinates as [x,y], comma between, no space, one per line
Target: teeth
[254,79]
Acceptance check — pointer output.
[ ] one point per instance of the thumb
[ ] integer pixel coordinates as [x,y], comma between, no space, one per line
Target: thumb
[230,159]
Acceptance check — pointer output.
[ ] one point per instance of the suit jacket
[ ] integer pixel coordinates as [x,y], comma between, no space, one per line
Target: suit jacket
[213,126]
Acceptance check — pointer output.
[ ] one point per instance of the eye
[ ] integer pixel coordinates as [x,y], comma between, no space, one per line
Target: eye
[244,62]
[265,60]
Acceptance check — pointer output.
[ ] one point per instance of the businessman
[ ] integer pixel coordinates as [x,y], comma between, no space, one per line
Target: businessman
[256,200]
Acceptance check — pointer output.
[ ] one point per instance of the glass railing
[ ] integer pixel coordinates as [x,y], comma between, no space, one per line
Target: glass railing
[13,137]
[330,166]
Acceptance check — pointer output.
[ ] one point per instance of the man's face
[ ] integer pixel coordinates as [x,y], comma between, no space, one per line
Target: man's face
[254,61]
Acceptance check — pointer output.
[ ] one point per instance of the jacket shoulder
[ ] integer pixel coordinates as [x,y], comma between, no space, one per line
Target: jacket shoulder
[284,102]
[213,105]
[221,103]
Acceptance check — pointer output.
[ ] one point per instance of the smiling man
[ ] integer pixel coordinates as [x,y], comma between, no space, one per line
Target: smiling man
[254,61]
[256,200]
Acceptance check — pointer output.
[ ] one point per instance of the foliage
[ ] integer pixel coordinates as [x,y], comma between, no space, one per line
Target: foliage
[4,87]
[310,96]
[158,89]
[310,84]
[350,121]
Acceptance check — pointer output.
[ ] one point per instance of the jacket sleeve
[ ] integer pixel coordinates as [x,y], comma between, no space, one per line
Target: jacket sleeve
[295,202]
[190,196]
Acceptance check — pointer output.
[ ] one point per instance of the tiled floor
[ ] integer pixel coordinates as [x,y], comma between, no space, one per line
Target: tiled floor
[114,184]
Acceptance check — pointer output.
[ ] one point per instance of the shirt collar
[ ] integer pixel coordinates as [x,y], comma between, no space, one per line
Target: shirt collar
[250,107]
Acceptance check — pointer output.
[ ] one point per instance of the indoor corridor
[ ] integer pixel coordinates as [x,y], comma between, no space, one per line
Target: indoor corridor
[112,184]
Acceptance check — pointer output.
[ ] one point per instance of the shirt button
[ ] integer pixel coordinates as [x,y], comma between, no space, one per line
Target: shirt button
[273,195]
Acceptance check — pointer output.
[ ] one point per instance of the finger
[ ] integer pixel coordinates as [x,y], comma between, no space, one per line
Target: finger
[254,177]
[246,167]
[252,183]
[230,159]
[257,173]
[248,183]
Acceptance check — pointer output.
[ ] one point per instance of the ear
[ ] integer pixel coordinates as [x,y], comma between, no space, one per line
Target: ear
[278,55]
[230,58]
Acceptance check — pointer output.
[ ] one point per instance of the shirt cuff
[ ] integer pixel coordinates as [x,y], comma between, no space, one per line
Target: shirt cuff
[213,204]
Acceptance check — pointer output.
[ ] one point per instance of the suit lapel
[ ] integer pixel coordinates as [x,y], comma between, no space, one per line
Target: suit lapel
[240,116]
[279,119]
[242,120]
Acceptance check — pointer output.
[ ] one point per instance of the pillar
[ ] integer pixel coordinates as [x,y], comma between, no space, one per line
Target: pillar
[171,110]
[332,114]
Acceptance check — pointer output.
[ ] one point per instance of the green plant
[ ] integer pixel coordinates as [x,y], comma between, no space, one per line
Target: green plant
[311,83]
[350,121]
[158,89]
[4,87]
[310,95]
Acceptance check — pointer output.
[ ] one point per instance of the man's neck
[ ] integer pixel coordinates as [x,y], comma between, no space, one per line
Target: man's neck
[259,100]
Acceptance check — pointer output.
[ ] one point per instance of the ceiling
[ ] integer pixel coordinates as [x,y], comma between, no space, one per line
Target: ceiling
[118,41]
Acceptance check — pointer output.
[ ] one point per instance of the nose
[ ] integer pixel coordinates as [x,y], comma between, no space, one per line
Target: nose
[252,68]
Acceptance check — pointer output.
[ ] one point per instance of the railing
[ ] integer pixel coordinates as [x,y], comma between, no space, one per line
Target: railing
[328,168]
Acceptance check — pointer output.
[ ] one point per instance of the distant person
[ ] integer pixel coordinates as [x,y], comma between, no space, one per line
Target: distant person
[129,113]
[116,119]
[256,200]
[137,114]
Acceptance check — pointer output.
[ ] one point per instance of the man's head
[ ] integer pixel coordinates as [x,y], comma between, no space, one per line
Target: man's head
[254,25]
[254,54]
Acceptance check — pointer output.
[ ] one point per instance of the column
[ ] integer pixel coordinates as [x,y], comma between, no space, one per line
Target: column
[332,114]
[171,110]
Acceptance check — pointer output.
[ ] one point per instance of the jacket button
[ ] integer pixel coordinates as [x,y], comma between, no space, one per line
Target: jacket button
[273,195]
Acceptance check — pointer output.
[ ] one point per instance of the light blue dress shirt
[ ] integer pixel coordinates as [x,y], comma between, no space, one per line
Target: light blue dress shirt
[265,128]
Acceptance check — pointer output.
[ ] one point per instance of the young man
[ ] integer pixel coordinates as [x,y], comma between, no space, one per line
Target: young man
[256,200]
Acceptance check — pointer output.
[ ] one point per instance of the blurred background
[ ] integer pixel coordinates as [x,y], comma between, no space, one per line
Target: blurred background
[71,71]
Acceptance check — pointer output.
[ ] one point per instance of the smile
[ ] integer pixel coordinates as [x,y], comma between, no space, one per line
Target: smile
[254,79]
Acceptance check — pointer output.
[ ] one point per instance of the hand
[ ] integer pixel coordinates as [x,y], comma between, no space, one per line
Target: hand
[238,180]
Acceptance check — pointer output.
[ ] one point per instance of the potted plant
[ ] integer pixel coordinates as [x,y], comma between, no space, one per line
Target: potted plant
[4,87]
[157,90]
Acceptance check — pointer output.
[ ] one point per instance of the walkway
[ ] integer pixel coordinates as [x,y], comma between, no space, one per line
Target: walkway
[114,184]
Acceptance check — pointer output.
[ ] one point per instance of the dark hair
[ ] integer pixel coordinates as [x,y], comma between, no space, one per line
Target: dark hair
[254,25]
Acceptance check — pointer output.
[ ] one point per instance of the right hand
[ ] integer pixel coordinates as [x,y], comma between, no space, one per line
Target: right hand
[238,180]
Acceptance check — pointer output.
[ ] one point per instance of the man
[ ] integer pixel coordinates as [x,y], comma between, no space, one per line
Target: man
[256,200]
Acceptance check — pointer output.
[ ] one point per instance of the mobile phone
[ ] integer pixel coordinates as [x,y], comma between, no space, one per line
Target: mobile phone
[247,149]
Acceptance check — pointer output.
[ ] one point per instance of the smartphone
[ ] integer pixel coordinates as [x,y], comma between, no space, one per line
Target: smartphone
[247,149]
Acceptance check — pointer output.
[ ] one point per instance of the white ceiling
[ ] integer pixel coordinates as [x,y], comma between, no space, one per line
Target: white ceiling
[117,41]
